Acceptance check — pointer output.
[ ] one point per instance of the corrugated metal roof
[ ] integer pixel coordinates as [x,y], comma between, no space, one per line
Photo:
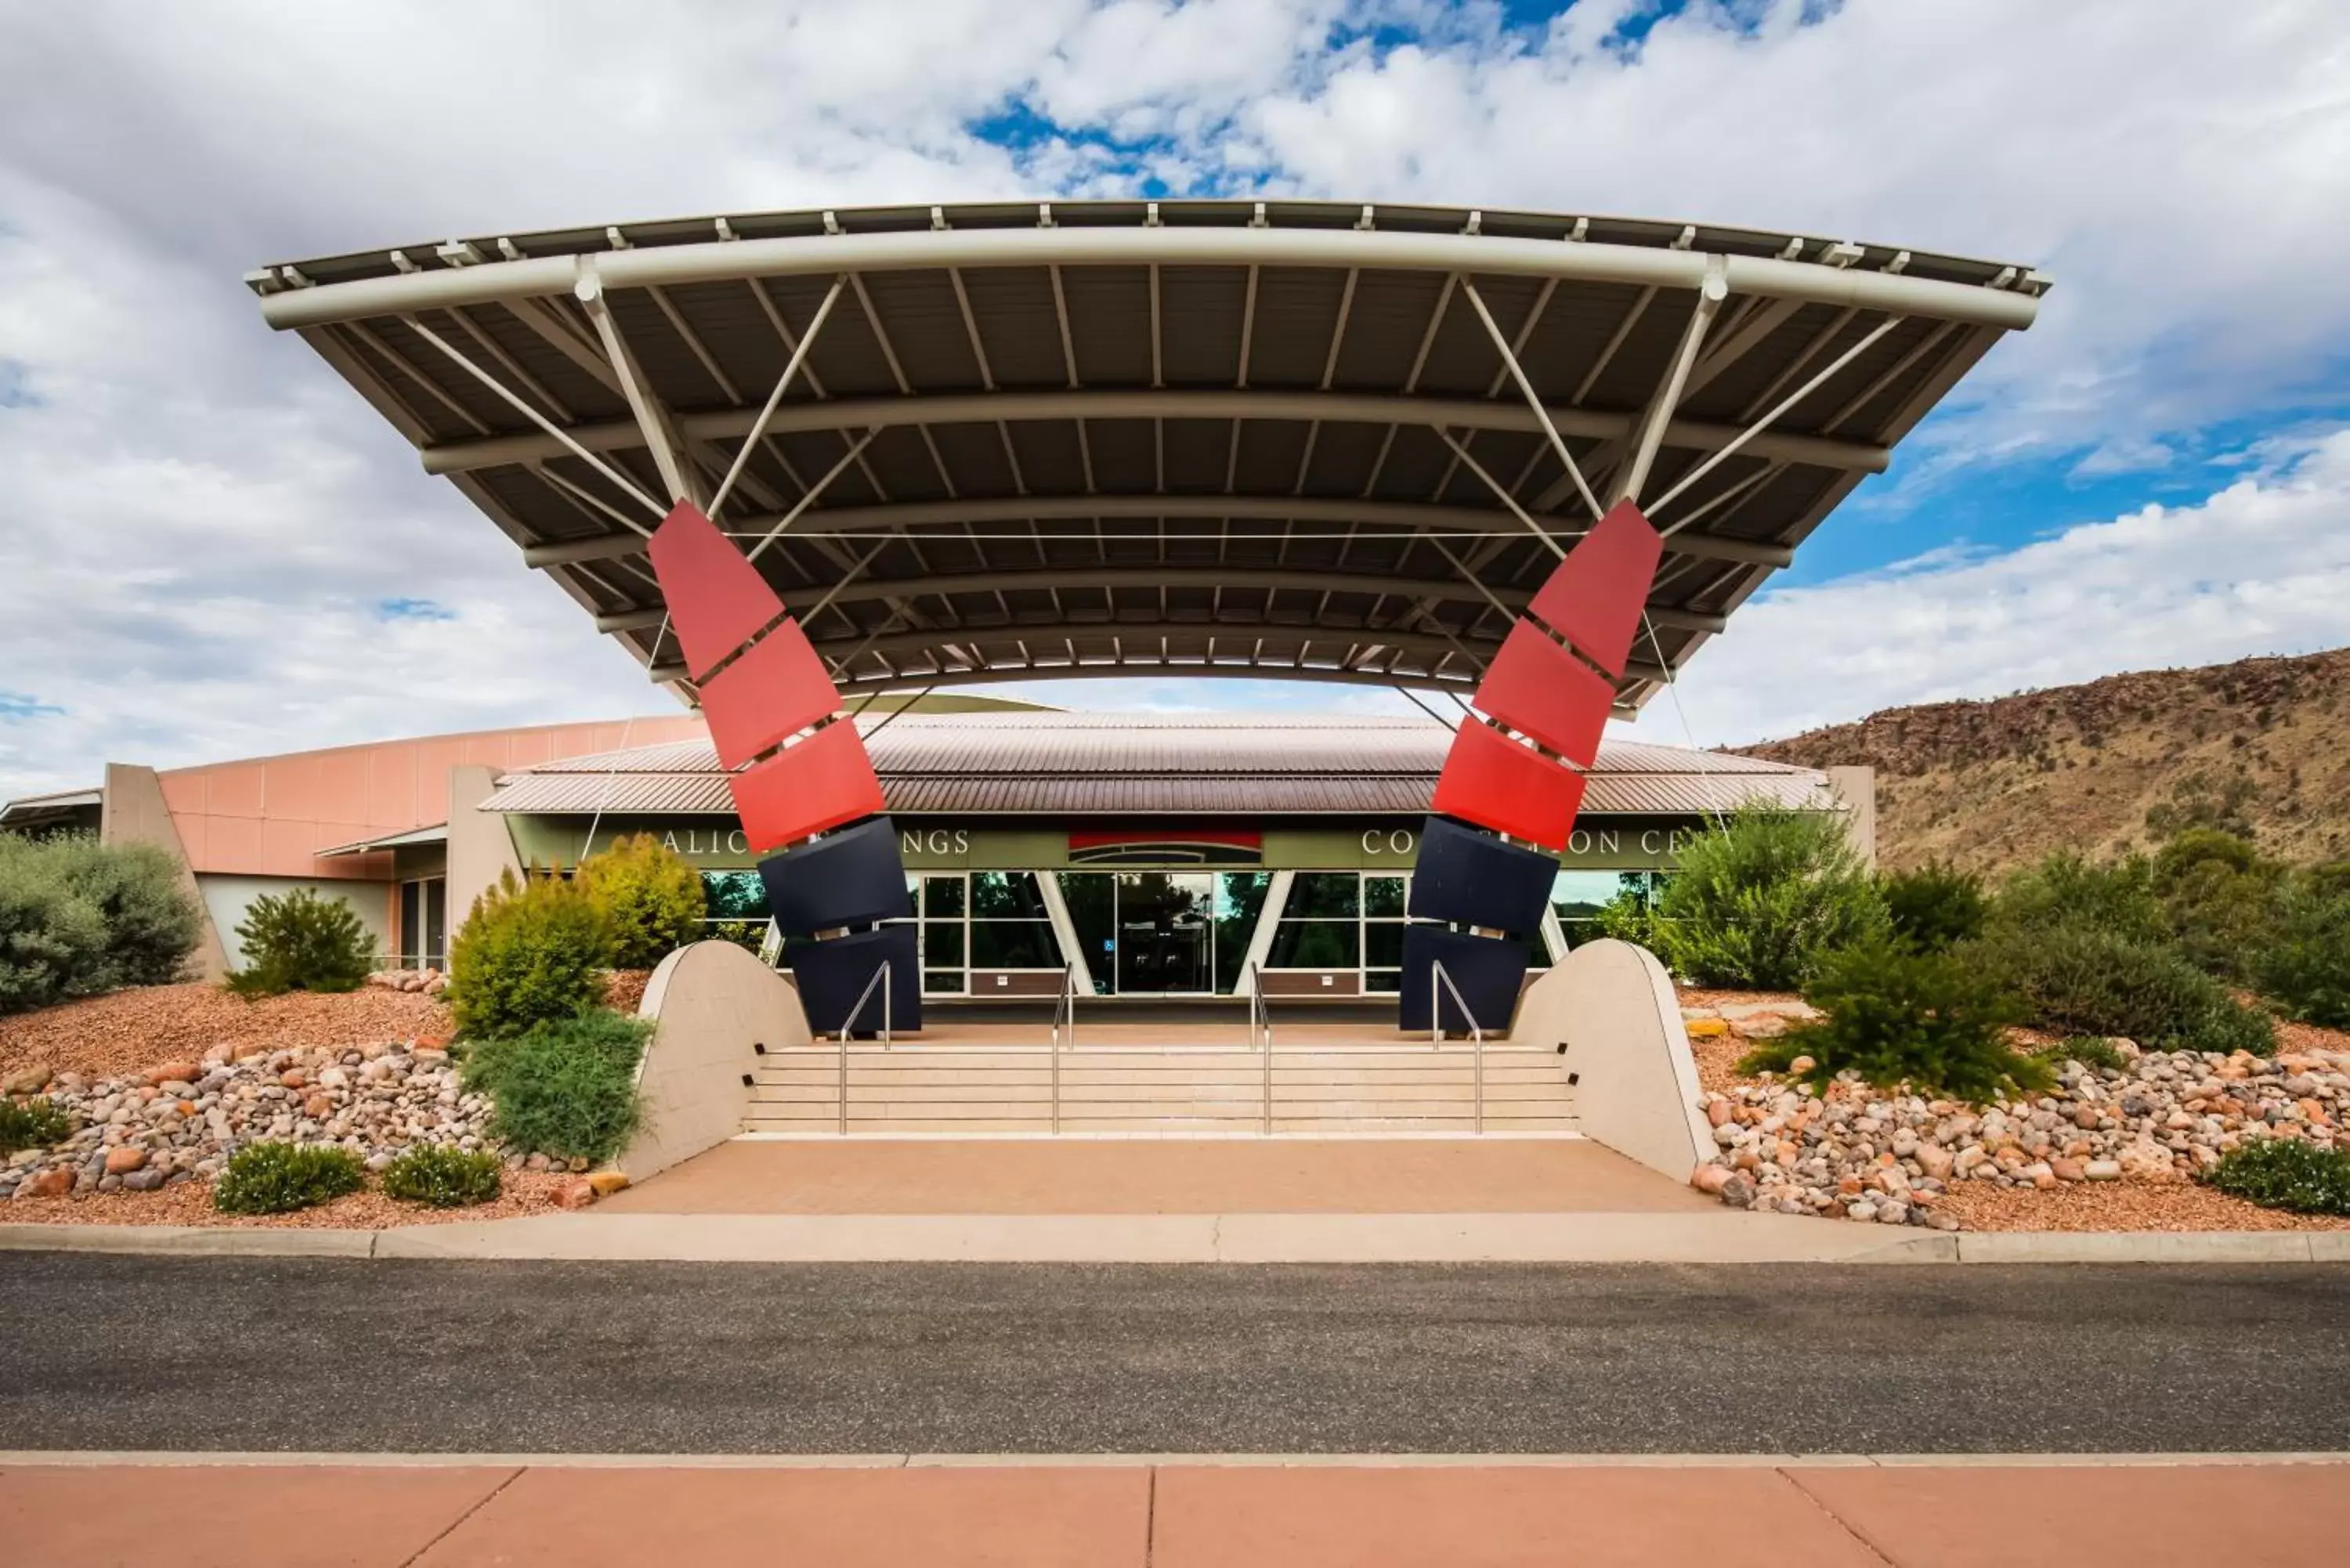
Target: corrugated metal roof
[1067,764]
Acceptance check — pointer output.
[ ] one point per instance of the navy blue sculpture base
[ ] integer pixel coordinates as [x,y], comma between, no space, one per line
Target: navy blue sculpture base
[833,975]
[1487,972]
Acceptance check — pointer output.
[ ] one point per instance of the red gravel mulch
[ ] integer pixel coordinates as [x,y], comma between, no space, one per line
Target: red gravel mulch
[130,1030]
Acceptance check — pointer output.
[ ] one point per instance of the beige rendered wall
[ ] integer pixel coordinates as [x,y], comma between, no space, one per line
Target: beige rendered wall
[269,816]
[480,847]
[1611,1005]
[711,1005]
[1857,788]
[135,813]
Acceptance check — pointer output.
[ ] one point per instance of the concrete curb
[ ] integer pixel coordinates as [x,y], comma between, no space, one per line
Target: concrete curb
[182,1458]
[1726,1237]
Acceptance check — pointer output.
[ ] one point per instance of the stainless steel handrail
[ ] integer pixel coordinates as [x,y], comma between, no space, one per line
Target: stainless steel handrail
[1436,1028]
[1067,1000]
[1260,1013]
[881,979]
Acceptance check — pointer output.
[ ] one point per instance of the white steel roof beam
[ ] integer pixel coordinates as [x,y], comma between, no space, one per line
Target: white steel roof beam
[652,415]
[1192,246]
[1668,397]
[1516,372]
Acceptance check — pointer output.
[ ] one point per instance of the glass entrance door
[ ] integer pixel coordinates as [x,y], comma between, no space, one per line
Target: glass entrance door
[1163,933]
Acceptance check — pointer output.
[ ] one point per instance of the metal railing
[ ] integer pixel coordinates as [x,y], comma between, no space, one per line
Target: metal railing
[1064,1006]
[1261,1018]
[848,1025]
[1439,978]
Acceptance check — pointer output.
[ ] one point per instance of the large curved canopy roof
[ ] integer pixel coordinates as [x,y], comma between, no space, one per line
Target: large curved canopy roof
[1278,439]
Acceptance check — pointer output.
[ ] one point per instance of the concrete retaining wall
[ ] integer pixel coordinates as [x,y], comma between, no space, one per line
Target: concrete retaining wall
[711,1005]
[1611,1005]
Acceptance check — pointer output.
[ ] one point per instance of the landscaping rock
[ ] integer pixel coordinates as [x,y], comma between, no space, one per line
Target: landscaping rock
[576,1194]
[28,1081]
[1864,1152]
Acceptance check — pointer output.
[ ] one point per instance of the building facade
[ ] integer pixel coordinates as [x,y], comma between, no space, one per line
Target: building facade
[1155,854]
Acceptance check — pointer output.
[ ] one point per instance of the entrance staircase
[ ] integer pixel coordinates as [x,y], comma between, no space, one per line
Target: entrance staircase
[1384,1086]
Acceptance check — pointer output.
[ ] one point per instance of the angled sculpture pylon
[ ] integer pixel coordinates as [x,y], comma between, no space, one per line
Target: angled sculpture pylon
[1518,774]
[802,784]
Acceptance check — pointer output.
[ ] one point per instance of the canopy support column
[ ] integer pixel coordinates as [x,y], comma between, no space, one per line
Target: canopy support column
[1659,412]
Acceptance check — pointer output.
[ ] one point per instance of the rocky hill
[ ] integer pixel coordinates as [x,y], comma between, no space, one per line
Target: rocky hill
[2260,746]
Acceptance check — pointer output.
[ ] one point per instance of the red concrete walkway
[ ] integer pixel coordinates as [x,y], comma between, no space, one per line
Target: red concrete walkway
[1108,1515]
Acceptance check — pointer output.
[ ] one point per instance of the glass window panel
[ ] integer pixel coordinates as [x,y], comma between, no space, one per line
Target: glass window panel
[942,943]
[1240,899]
[1324,895]
[1006,896]
[411,923]
[1013,944]
[1090,896]
[1383,897]
[1383,982]
[1314,944]
[943,982]
[1579,894]
[1383,944]
[733,895]
[436,921]
[942,895]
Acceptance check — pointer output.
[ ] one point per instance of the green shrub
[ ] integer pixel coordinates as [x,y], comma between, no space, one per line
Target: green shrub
[2090,1051]
[301,941]
[2304,959]
[530,952]
[1628,918]
[1934,907]
[2085,979]
[567,1088]
[2218,897]
[650,895]
[32,1124]
[443,1177]
[279,1178]
[1760,901]
[2068,891]
[2286,1173]
[78,917]
[1897,1016]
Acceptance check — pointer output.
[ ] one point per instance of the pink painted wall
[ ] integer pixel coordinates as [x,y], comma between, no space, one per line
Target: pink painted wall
[269,816]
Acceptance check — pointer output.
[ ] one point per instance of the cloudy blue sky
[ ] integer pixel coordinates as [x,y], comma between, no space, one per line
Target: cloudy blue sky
[213,549]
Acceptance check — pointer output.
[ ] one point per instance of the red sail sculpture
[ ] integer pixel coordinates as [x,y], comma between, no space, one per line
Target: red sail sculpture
[799,771]
[1518,773]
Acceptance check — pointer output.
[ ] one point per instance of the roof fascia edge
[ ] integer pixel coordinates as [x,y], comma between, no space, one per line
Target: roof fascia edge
[716,260]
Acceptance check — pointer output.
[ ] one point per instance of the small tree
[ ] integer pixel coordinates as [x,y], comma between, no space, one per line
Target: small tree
[1763,899]
[2303,961]
[2067,890]
[300,941]
[651,897]
[531,952]
[1934,907]
[2219,897]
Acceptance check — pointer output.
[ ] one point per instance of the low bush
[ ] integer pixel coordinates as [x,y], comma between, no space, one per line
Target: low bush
[2066,890]
[1897,1016]
[567,1088]
[2090,1051]
[531,952]
[650,895]
[301,941]
[2303,961]
[443,1177]
[1934,907]
[78,917]
[279,1178]
[1761,901]
[2085,979]
[32,1124]
[2286,1173]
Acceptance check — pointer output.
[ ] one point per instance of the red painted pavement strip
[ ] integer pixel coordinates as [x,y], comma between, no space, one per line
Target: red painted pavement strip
[1038,1517]
[2210,1516]
[1474,1517]
[232,1516]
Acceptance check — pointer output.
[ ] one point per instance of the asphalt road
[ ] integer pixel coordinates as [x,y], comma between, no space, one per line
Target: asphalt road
[330,1354]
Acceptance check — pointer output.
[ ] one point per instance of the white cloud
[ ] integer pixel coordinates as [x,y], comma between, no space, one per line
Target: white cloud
[203,520]
[2263,567]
